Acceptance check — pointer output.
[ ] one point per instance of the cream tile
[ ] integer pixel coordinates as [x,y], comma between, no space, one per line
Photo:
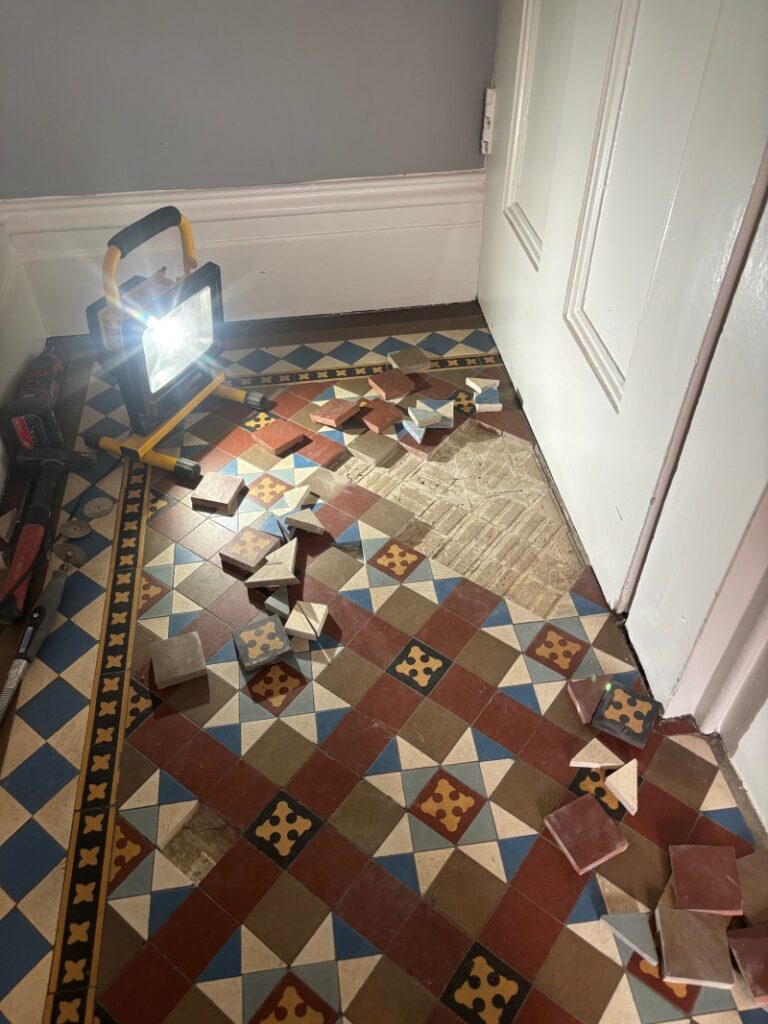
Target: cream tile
[70,737]
[41,905]
[12,815]
[25,1003]
[22,743]
[56,816]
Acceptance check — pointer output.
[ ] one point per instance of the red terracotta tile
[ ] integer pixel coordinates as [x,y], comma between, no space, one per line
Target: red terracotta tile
[311,589]
[324,451]
[436,387]
[177,521]
[287,404]
[547,879]
[508,722]
[508,421]
[136,848]
[146,991]
[354,500]
[471,602]
[240,879]
[429,948]
[463,693]
[391,384]
[377,905]
[209,538]
[213,632]
[334,413]
[378,415]
[586,586]
[279,437]
[212,459]
[389,702]
[705,878]
[586,835]
[240,794]
[236,441]
[335,520]
[446,632]
[329,866]
[708,833]
[663,818]
[194,933]
[550,749]
[161,736]
[237,606]
[201,764]
[309,391]
[322,784]
[379,642]
[537,1009]
[521,933]
[357,741]
[345,619]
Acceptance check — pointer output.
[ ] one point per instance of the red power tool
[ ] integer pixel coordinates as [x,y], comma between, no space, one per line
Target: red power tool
[28,421]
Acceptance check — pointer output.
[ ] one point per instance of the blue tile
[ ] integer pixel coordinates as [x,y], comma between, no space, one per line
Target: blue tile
[481,341]
[35,781]
[438,344]
[65,645]
[26,858]
[585,607]
[349,943]
[524,694]
[107,427]
[499,616]
[349,353]
[513,853]
[257,360]
[303,356]
[78,592]
[52,707]
[391,345]
[403,867]
[732,819]
[28,945]
[590,905]
[387,761]
[327,722]
[443,588]
[488,749]
[93,544]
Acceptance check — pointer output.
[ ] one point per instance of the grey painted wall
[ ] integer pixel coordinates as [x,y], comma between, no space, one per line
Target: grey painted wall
[121,95]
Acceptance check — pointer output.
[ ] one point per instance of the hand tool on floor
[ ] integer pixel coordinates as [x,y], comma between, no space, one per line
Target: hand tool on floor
[53,463]
[36,630]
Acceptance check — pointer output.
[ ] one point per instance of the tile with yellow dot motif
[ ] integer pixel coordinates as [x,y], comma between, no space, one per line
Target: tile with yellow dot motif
[275,686]
[419,666]
[283,829]
[557,650]
[261,643]
[293,1002]
[396,560]
[447,805]
[257,420]
[592,780]
[485,990]
[267,489]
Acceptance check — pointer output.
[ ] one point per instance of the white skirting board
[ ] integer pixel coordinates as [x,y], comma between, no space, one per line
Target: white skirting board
[321,247]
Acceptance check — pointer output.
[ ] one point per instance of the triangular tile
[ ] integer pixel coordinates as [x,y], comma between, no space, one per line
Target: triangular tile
[595,755]
[304,725]
[590,906]
[165,875]
[139,882]
[471,775]
[507,825]
[350,944]
[353,974]
[171,819]
[482,829]
[464,751]
[635,930]
[414,780]
[398,841]
[488,855]
[227,962]
[488,749]
[623,784]
[145,820]
[425,838]
[146,795]
[513,852]
[597,935]
[227,995]
[402,866]
[320,946]
[322,978]
[429,864]
[546,693]
[134,910]
[391,784]
[411,757]
[256,988]
[493,772]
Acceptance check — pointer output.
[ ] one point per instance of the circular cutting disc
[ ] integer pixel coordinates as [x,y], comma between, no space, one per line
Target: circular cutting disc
[98,507]
[74,529]
[70,553]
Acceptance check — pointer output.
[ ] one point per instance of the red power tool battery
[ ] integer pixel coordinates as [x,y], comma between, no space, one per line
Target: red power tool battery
[28,421]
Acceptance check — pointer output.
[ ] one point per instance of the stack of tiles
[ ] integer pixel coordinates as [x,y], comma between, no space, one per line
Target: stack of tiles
[432,413]
[277,570]
[248,549]
[486,394]
[177,659]
[217,492]
[585,834]
[261,643]
[391,384]
[306,620]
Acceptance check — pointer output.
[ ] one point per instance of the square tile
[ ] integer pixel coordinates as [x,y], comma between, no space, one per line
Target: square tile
[52,707]
[237,606]
[286,917]
[396,560]
[488,657]
[753,878]
[433,730]
[292,999]
[375,449]
[378,642]
[322,784]
[463,693]
[391,384]
[162,735]
[205,584]
[330,866]
[38,779]
[379,415]
[485,989]
[147,990]
[209,538]
[357,741]
[200,764]
[705,878]
[429,948]
[387,517]
[550,749]
[333,568]
[335,412]
[194,933]
[750,950]
[261,643]
[266,490]
[446,632]
[585,834]
[528,794]
[176,521]
[218,492]
[465,892]
[240,879]
[579,977]
[547,879]
[324,451]
[26,858]
[538,1009]
[283,829]
[177,660]
[366,817]
[247,549]
[235,442]
[345,619]
[279,437]
[508,722]
[240,794]
[626,714]
[681,772]
[447,805]
[389,702]
[662,818]
[406,610]
[521,933]
[354,499]
[471,602]
[390,995]
[377,905]
[274,687]
[694,948]
[349,676]
[557,650]
[279,753]
[419,666]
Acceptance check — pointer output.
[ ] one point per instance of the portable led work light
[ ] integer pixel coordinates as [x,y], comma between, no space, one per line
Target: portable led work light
[159,338]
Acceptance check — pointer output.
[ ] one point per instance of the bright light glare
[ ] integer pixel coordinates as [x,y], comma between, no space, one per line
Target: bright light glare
[178,339]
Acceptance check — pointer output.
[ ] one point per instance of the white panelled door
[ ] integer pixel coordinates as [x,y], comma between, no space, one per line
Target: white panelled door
[627,141]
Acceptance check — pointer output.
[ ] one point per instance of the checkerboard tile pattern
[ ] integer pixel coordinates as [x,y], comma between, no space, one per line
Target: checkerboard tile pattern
[354,834]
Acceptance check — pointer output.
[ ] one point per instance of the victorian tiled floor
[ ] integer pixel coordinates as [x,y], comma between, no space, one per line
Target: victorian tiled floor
[354,834]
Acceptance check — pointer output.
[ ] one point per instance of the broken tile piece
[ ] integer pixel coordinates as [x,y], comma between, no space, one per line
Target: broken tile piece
[295,497]
[248,549]
[595,755]
[705,878]
[585,834]
[488,400]
[441,406]
[694,948]
[391,384]
[423,417]
[261,643]
[634,929]
[374,449]
[415,431]
[586,694]
[219,492]
[279,437]
[270,576]
[379,415]
[316,614]
[410,360]
[753,876]
[623,785]
[305,519]
[297,624]
[479,384]
[177,660]
[335,412]
[626,714]
[285,556]
[750,951]
[277,602]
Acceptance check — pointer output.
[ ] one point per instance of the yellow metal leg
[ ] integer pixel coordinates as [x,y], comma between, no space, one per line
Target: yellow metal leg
[149,457]
[231,394]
